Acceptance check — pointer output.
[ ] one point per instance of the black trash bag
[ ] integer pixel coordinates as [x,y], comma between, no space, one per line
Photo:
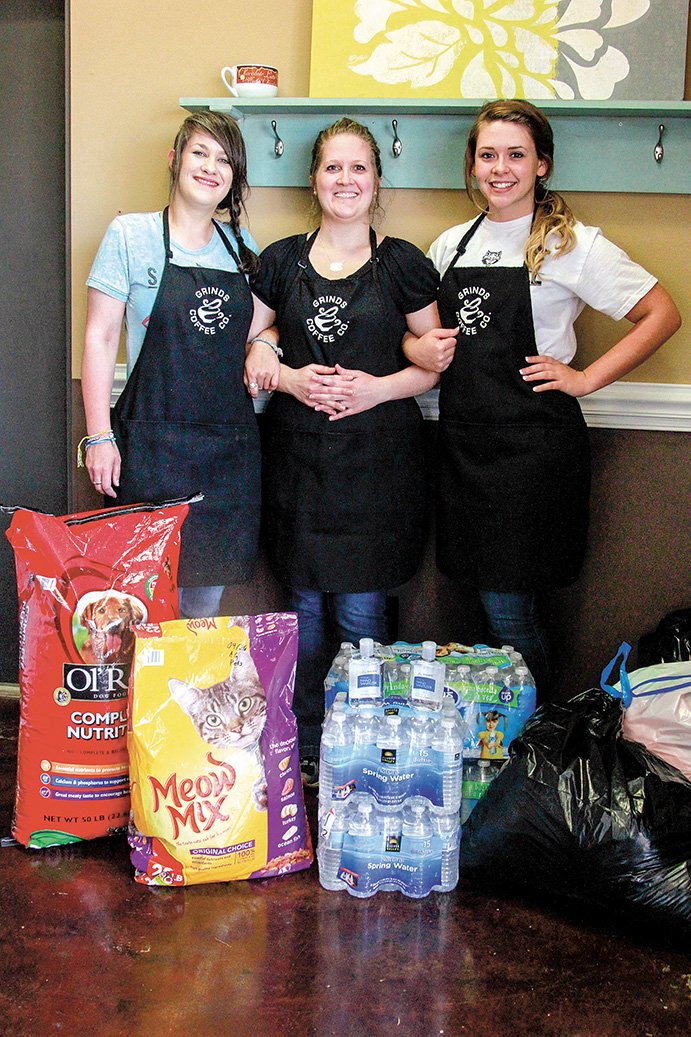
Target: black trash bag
[670,642]
[579,813]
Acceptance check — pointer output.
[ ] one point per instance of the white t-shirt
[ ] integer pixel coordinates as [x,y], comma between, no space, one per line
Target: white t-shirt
[129,264]
[595,272]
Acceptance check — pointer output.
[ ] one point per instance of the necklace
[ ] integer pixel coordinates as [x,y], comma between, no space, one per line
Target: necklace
[335,265]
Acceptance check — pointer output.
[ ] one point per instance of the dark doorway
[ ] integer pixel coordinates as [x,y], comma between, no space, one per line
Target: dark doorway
[34,354]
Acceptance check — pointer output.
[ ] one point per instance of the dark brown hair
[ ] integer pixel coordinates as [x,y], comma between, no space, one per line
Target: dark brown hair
[226,132]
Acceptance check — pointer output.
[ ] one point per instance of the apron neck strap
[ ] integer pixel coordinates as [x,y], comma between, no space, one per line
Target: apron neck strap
[169,251]
[166,236]
[226,241]
[463,243]
[311,238]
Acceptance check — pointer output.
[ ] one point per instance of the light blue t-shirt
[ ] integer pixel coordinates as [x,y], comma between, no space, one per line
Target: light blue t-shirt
[129,265]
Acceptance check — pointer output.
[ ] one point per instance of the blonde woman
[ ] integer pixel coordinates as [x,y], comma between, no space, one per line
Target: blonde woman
[514,467]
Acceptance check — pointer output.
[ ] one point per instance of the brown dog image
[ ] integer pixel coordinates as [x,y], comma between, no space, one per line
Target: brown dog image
[109,620]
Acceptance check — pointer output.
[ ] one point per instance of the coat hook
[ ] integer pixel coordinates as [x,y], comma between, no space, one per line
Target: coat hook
[278,146]
[659,151]
[397,146]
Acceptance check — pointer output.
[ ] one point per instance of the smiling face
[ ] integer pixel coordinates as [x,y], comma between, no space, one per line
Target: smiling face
[205,174]
[505,167]
[346,180]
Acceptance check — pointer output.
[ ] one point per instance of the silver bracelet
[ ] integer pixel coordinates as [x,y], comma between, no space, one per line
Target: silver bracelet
[277,349]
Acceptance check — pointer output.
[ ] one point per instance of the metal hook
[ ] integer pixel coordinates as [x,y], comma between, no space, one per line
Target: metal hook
[397,146]
[659,151]
[278,146]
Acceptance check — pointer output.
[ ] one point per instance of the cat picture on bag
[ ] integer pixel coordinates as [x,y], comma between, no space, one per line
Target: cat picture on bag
[230,714]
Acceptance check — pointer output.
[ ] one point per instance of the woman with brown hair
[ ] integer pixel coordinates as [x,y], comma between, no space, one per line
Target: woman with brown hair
[514,466]
[344,467]
[184,422]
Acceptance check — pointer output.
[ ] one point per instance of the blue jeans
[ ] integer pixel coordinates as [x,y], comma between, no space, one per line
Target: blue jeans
[199,602]
[514,619]
[324,620]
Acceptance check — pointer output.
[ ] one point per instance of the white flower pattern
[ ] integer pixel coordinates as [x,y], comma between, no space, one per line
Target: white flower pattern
[496,48]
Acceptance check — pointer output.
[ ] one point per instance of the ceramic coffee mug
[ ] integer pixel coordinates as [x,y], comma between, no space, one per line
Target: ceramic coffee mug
[250,80]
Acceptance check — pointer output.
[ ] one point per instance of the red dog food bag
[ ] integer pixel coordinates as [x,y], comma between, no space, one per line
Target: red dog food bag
[84,581]
[214,763]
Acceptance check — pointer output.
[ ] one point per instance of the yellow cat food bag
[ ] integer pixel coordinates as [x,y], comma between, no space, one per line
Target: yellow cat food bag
[212,741]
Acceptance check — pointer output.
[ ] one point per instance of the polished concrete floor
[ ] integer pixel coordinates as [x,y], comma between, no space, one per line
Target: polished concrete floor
[86,951]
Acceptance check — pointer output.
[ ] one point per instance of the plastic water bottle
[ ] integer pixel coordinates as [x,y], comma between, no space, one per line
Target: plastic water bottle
[489,678]
[392,761]
[448,827]
[364,677]
[416,847]
[427,678]
[365,727]
[361,846]
[336,749]
[337,678]
[421,759]
[330,847]
[448,747]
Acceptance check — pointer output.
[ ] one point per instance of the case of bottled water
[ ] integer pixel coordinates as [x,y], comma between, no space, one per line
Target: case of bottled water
[411,723]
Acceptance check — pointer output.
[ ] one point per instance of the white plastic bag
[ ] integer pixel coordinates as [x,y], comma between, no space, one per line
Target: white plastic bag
[658,711]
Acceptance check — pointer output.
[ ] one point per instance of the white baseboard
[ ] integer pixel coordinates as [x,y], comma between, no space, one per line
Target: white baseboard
[653,406]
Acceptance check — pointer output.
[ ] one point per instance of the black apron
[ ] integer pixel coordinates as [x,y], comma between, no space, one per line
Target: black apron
[185,423]
[344,501]
[514,465]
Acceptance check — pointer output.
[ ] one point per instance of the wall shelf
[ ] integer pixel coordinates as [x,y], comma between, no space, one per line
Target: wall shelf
[600,146]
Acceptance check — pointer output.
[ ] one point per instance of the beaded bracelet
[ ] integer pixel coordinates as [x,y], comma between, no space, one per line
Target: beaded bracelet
[277,349]
[107,436]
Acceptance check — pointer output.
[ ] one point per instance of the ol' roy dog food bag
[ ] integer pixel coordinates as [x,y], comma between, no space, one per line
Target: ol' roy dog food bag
[84,582]
[214,765]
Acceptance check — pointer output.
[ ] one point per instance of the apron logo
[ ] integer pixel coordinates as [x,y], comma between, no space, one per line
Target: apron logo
[471,315]
[209,316]
[326,323]
[490,258]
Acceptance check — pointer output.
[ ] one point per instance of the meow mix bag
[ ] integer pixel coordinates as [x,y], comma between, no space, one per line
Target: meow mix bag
[216,790]
[83,581]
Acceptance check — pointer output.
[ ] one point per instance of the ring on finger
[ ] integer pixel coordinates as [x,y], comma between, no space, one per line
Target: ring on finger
[253,385]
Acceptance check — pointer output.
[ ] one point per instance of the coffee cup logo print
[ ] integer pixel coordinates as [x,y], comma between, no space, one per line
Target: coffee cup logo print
[210,315]
[326,324]
[473,314]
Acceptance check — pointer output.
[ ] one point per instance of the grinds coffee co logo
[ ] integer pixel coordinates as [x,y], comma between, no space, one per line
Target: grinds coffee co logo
[210,314]
[195,804]
[326,324]
[473,314]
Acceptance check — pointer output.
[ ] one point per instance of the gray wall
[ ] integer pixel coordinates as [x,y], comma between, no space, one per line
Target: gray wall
[34,368]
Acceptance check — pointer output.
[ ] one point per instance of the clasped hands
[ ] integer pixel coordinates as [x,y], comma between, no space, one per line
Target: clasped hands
[336,391]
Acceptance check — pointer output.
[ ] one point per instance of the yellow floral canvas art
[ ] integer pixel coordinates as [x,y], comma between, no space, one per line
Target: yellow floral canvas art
[573,49]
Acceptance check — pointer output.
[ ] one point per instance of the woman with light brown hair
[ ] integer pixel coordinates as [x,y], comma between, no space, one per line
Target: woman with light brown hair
[344,464]
[514,466]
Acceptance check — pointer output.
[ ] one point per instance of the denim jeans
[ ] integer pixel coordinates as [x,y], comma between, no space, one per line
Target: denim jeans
[514,619]
[324,621]
[199,602]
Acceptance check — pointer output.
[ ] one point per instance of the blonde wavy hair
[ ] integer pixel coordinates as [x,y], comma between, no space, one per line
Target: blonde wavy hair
[552,215]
